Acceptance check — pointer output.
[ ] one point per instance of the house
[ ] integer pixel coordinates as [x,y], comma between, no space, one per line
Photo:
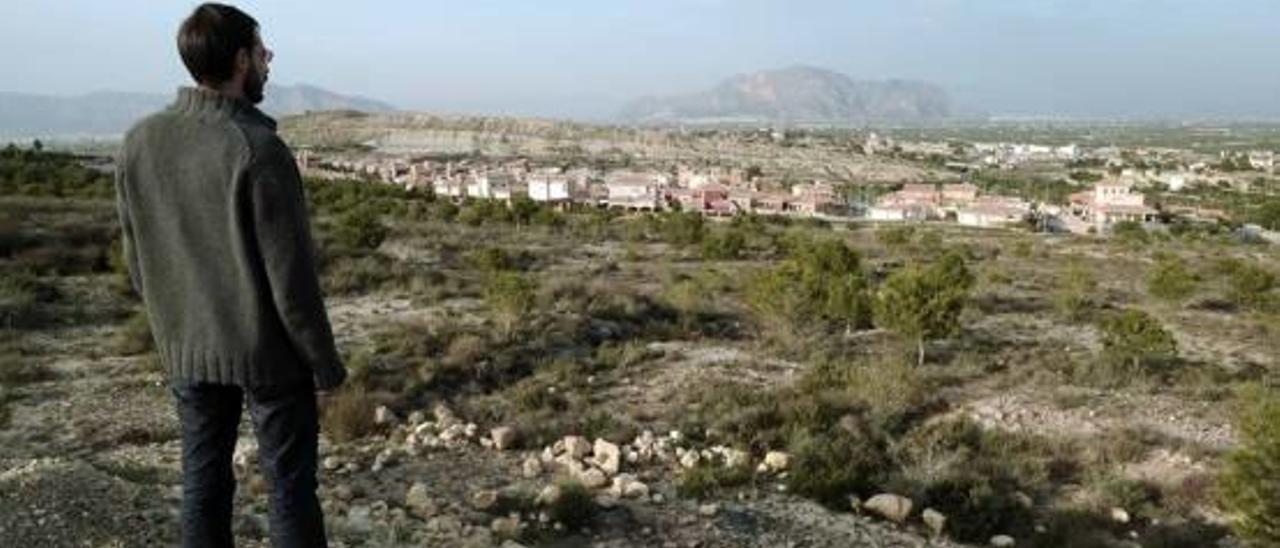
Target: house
[1110,203]
[993,212]
[959,195]
[550,188]
[900,212]
[632,190]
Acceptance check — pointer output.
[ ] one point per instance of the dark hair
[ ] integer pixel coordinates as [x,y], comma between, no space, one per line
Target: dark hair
[210,38]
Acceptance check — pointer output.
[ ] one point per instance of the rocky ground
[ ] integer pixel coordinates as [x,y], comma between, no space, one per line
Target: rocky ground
[90,457]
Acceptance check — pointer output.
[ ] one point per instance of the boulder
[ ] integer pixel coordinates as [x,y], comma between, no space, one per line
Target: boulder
[606,456]
[934,520]
[777,461]
[418,501]
[1002,541]
[892,507]
[504,438]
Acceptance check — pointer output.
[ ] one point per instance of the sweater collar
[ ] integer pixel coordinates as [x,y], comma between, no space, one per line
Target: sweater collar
[203,101]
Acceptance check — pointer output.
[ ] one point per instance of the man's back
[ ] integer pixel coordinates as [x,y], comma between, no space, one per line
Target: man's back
[217,237]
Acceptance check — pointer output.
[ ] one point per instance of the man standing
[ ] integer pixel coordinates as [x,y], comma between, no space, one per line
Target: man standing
[218,244]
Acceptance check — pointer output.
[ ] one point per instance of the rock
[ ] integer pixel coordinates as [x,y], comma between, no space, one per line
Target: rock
[531,468]
[506,527]
[1002,541]
[892,507]
[576,446]
[383,416]
[484,500]
[736,458]
[607,456]
[627,486]
[690,459]
[592,478]
[246,453]
[709,509]
[360,519]
[385,458]
[444,415]
[332,463]
[504,437]
[549,495]
[511,544]
[934,520]
[1024,500]
[418,500]
[855,503]
[343,493]
[417,417]
[777,461]
[1119,515]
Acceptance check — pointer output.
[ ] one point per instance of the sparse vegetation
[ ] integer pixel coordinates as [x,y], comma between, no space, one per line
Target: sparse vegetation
[1250,486]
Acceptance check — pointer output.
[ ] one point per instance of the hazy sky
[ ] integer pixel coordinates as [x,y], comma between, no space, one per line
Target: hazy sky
[587,57]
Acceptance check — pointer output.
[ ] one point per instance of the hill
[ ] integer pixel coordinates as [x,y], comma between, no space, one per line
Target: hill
[799,94]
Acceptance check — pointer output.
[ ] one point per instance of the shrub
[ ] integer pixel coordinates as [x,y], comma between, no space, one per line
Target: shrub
[575,507]
[921,304]
[706,479]
[821,285]
[21,294]
[1250,481]
[1129,232]
[1074,296]
[361,229]
[895,235]
[348,413]
[1135,340]
[1171,280]
[724,245]
[683,228]
[135,336]
[511,296]
[1250,286]
[830,466]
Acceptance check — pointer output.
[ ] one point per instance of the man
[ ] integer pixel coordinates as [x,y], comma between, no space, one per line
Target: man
[218,244]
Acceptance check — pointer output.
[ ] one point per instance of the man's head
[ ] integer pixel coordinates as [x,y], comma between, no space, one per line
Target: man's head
[222,49]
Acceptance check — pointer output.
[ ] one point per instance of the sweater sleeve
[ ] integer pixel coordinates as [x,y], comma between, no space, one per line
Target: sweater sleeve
[129,246]
[288,255]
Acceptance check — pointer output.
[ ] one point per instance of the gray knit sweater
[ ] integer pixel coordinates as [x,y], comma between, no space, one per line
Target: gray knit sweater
[218,244]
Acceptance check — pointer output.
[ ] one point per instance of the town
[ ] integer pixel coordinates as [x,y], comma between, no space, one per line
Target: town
[1119,189]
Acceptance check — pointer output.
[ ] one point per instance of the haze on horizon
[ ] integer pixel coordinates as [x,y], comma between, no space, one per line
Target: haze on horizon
[586,59]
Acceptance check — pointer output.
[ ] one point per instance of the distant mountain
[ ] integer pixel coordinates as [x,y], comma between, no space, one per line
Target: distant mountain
[111,113]
[799,94]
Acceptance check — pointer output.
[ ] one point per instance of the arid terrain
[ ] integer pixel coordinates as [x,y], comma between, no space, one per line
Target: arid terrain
[601,378]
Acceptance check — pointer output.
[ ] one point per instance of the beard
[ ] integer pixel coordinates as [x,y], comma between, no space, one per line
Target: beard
[255,84]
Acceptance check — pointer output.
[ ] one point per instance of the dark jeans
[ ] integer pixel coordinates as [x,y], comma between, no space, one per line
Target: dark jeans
[286,423]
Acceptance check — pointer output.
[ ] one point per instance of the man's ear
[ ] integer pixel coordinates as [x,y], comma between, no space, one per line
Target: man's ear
[244,62]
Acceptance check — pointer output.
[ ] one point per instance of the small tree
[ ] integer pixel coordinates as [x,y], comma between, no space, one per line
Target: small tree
[1137,340]
[1249,487]
[1075,292]
[820,281]
[511,296]
[1171,280]
[362,229]
[1250,286]
[922,304]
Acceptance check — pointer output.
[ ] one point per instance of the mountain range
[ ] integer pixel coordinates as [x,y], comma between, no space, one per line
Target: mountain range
[111,113]
[798,94]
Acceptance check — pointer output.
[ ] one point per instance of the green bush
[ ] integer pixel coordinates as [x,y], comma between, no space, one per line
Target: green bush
[1250,481]
[1074,295]
[511,296]
[821,286]
[830,466]
[726,245]
[1129,232]
[1135,341]
[1250,286]
[1171,280]
[348,414]
[575,507]
[135,336]
[921,304]
[895,235]
[361,229]
[706,479]
[682,228]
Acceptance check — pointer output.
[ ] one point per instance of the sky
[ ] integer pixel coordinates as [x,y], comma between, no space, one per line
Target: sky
[587,58]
